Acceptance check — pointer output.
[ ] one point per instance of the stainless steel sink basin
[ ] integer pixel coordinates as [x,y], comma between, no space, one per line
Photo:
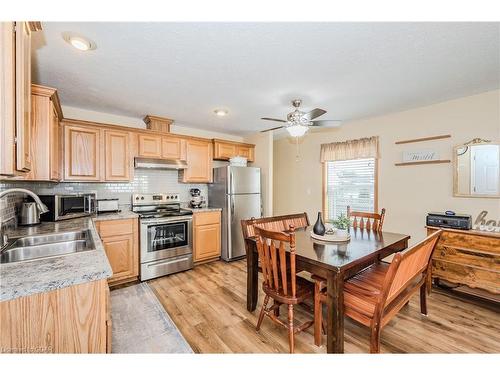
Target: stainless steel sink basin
[49,245]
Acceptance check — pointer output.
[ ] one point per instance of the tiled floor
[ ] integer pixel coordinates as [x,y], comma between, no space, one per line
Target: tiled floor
[141,325]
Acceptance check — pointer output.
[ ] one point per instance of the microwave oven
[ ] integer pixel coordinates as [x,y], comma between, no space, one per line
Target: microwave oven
[68,206]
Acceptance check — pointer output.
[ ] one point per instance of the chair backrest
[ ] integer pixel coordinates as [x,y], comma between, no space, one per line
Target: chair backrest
[274,223]
[367,220]
[406,267]
[271,246]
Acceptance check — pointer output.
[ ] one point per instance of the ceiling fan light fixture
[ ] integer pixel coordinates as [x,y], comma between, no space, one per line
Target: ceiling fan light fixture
[297,130]
[221,112]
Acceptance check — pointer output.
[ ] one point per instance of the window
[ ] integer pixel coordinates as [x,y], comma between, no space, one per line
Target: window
[350,183]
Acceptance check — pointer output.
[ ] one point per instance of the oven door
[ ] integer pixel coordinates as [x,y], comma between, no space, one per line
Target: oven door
[165,238]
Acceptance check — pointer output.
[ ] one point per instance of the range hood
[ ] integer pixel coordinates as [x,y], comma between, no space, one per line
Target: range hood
[149,163]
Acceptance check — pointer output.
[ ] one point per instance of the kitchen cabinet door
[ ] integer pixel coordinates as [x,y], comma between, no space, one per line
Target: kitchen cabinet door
[121,243]
[117,155]
[119,250]
[207,240]
[55,145]
[171,148]
[45,143]
[224,151]
[246,152]
[150,146]
[199,160]
[8,102]
[23,96]
[82,151]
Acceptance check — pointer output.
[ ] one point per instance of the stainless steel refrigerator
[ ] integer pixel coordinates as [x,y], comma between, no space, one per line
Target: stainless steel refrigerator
[237,191]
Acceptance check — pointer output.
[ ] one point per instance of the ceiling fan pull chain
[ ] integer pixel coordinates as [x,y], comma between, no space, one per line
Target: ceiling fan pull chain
[297,152]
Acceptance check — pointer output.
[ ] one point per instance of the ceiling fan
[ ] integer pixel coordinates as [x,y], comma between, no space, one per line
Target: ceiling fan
[297,123]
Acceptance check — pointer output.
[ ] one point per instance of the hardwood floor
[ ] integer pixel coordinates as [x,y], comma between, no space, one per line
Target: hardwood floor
[208,305]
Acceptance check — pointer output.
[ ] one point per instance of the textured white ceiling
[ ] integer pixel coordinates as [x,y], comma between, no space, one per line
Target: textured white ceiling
[186,70]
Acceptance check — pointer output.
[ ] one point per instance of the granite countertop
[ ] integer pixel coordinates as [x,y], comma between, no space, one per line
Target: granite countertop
[204,209]
[20,279]
[123,214]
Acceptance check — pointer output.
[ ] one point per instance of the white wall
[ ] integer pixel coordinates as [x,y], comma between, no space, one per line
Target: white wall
[135,122]
[409,192]
[264,160]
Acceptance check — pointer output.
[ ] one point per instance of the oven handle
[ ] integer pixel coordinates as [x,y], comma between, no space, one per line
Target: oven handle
[168,261]
[148,223]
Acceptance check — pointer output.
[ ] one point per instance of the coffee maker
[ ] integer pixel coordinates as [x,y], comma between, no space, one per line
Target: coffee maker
[196,198]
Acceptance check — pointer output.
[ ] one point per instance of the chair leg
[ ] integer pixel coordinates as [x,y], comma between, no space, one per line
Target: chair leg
[291,338]
[318,315]
[261,315]
[423,299]
[277,310]
[375,338]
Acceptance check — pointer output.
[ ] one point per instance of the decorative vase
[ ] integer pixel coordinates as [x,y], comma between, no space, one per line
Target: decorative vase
[319,227]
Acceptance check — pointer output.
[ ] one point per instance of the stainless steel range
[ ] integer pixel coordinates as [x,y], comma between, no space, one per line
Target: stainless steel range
[166,234]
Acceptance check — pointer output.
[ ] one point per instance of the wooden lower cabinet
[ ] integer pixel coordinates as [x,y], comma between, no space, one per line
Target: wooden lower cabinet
[121,243]
[207,235]
[467,257]
[67,320]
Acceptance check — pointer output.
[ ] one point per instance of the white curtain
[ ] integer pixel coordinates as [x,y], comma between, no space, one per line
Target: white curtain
[348,150]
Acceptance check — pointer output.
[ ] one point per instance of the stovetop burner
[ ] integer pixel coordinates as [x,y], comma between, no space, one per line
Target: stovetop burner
[158,205]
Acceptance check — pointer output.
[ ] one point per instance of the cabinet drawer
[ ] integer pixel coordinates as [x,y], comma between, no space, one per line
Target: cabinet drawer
[204,218]
[465,256]
[109,228]
[474,277]
[470,241]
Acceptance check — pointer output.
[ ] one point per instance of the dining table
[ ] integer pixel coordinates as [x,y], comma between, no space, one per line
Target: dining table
[335,262]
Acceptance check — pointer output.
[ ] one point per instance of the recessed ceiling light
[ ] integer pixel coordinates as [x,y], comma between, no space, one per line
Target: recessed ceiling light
[79,42]
[221,112]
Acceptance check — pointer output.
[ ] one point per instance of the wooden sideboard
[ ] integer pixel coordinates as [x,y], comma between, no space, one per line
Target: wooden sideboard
[467,257]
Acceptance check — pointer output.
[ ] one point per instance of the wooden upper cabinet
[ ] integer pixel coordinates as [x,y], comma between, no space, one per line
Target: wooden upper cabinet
[225,150]
[173,148]
[199,160]
[45,145]
[159,124]
[116,155]
[23,96]
[82,150]
[150,146]
[8,98]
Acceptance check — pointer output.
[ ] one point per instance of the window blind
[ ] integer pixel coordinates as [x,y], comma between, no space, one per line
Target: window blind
[350,183]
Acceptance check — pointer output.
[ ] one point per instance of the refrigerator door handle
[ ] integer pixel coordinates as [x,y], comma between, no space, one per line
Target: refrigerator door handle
[232,207]
[231,182]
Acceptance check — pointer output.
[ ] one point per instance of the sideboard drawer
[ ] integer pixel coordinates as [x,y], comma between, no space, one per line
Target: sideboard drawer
[470,241]
[474,277]
[466,256]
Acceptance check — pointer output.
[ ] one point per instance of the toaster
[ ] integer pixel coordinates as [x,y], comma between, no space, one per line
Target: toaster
[107,205]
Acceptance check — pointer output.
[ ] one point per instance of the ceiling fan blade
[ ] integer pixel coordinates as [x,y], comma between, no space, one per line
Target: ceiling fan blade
[329,123]
[316,112]
[272,119]
[268,130]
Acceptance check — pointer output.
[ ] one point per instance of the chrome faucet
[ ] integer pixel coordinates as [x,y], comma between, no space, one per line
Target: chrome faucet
[42,208]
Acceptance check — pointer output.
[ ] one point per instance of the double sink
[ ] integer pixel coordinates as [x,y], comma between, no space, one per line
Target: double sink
[47,245]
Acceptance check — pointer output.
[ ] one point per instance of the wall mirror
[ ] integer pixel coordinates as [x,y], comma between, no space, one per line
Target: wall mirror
[477,169]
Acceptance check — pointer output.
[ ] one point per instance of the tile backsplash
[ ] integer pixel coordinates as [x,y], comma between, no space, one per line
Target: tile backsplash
[145,181]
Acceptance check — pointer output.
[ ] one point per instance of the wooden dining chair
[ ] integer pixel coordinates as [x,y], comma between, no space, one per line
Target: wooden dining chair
[366,220]
[280,280]
[376,294]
